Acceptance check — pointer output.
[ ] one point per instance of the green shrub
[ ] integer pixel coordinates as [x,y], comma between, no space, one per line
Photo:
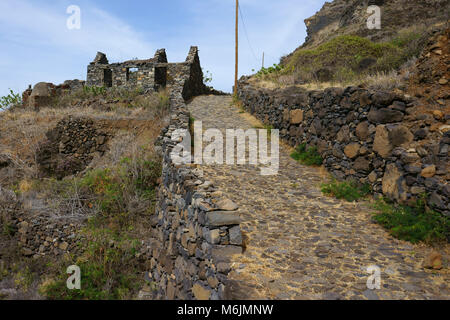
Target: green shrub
[307,156]
[110,265]
[207,77]
[341,57]
[103,267]
[273,69]
[113,188]
[414,224]
[350,191]
[94,91]
[10,100]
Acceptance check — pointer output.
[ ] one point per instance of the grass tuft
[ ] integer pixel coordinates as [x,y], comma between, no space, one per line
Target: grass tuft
[414,224]
[349,191]
[307,156]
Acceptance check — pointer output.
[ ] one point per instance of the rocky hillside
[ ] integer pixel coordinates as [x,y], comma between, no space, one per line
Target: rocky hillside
[349,17]
[341,48]
[78,174]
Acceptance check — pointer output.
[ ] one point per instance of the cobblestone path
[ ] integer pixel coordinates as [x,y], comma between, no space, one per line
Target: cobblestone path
[301,244]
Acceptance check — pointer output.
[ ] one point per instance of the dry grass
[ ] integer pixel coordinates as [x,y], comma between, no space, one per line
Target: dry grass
[116,193]
[350,61]
[22,130]
[383,81]
[378,81]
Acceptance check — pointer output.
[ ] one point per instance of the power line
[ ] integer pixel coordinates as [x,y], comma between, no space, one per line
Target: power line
[246,34]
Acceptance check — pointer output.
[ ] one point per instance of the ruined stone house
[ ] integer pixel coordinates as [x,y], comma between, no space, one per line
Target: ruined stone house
[151,74]
[148,74]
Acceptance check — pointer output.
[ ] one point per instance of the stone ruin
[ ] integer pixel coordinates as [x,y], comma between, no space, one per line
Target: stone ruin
[150,75]
[147,74]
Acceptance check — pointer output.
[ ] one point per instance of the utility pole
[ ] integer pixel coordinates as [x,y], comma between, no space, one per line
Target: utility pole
[237,48]
[263,60]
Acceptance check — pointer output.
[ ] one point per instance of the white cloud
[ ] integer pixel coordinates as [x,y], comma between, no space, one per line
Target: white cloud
[39,42]
[39,47]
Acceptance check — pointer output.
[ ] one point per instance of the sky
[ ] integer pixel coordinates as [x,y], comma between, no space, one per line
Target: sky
[36,44]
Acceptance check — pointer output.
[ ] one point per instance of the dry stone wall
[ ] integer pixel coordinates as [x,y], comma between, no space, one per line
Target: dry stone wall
[196,231]
[372,137]
[70,147]
[38,235]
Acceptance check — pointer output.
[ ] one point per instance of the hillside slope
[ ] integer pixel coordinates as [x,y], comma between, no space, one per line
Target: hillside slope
[341,50]
[349,17]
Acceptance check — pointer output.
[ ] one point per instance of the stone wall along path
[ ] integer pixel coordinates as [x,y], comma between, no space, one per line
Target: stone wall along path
[301,244]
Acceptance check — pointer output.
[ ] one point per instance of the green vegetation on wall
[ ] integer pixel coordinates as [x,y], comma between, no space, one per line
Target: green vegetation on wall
[307,156]
[415,224]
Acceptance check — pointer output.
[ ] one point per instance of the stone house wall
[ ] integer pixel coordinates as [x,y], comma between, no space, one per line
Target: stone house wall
[369,137]
[150,74]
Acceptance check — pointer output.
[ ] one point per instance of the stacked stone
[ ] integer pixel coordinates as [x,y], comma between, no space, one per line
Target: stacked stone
[43,93]
[40,236]
[370,137]
[196,230]
[37,235]
[70,147]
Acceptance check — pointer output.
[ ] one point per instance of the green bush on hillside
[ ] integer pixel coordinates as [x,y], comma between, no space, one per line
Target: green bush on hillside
[347,57]
[10,100]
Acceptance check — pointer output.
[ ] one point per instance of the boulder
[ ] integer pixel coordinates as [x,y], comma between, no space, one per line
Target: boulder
[394,185]
[421,133]
[400,135]
[436,201]
[433,261]
[343,135]
[364,99]
[361,164]
[222,218]
[226,205]
[381,144]
[373,177]
[383,98]
[429,171]
[41,94]
[362,131]
[352,150]
[384,115]
[296,116]
[389,137]
[235,235]
[200,292]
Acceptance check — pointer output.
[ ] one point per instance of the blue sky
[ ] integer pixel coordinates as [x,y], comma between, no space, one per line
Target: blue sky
[36,45]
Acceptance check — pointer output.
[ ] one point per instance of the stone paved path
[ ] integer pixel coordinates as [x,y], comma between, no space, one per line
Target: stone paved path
[304,245]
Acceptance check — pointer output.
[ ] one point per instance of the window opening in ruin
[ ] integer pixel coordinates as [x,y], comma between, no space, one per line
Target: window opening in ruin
[107,78]
[132,74]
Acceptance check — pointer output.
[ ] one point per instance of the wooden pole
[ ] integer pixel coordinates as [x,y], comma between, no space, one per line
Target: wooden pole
[237,48]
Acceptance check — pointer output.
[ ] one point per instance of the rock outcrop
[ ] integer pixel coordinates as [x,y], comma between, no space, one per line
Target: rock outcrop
[349,17]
